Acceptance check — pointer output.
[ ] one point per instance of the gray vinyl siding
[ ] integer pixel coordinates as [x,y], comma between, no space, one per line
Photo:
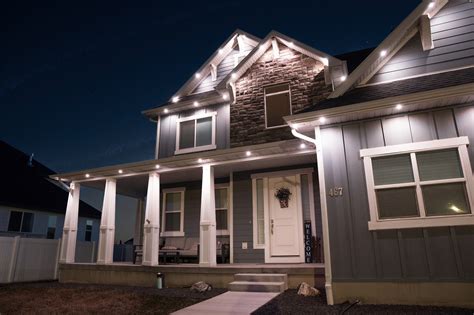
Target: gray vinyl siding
[453,37]
[427,254]
[223,69]
[168,128]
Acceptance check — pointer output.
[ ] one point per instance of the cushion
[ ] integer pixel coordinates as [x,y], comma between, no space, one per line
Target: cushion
[168,247]
[176,242]
[191,243]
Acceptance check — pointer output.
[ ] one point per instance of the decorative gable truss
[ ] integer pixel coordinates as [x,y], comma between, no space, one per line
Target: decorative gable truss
[335,70]
[436,37]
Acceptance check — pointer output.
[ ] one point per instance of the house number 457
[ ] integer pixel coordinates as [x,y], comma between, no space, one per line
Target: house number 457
[335,191]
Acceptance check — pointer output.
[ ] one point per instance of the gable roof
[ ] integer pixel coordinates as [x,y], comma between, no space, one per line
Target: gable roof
[30,187]
[263,46]
[216,58]
[389,46]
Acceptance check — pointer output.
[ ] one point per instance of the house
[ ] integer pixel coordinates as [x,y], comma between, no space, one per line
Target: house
[272,142]
[33,205]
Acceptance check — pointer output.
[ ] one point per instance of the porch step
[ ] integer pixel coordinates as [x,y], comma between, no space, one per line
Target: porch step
[261,277]
[251,286]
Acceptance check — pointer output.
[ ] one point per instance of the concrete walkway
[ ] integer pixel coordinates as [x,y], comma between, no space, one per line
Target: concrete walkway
[229,303]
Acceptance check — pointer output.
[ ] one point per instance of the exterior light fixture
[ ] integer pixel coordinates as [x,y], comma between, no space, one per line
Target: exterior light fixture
[431,5]
[291,44]
[234,75]
[197,75]
[322,119]
[175,99]
[157,166]
[220,51]
[399,106]
[120,171]
[88,175]
[166,110]
[303,146]
[196,104]
[260,47]
[248,153]
[343,78]
[225,96]
[383,53]
[199,160]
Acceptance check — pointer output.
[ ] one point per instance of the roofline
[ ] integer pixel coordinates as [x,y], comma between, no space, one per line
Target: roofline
[391,44]
[226,46]
[312,118]
[257,52]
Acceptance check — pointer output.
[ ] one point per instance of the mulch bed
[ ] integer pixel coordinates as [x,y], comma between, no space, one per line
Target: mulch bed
[58,298]
[290,302]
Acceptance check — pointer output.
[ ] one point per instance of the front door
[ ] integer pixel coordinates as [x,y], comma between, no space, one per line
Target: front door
[285,238]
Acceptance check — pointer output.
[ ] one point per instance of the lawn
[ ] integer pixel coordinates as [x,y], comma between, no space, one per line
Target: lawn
[57,298]
[290,302]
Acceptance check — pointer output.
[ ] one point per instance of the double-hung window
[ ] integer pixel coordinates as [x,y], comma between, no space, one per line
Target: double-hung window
[21,222]
[419,184]
[173,212]
[277,105]
[196,133]
[88,235]
[222,209]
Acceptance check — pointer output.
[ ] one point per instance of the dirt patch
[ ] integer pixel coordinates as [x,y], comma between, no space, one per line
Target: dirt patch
[290,302]
[57,298]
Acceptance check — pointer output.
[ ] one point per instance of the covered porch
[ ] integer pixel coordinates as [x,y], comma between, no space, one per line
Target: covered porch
[217,200]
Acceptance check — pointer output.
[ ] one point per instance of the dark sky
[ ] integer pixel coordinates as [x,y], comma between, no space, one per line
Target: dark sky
[75,75]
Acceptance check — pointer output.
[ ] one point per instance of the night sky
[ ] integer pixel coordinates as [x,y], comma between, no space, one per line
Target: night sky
[75,75]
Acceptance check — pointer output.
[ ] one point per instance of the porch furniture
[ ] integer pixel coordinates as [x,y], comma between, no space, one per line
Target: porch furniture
[170,253]
[137,252]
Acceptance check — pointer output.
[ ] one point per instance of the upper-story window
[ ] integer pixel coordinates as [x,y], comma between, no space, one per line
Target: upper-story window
[420,184]
[196,133]
[277,105]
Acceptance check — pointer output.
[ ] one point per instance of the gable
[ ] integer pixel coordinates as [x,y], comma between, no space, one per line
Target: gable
[452,32]
[236,55]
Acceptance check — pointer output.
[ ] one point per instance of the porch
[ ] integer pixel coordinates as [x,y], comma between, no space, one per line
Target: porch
[178,201]
[184,275]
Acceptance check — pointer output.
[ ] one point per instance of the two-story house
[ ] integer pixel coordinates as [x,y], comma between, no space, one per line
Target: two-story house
[271,140]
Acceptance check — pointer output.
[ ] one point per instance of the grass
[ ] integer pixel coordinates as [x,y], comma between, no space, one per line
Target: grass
[57,298]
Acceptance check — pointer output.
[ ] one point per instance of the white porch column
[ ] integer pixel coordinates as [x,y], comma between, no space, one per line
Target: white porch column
[207,235]
[151,227]
[107,224]
[68,243]
[139,218]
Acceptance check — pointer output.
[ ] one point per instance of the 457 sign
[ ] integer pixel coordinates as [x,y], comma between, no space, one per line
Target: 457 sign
[335,191]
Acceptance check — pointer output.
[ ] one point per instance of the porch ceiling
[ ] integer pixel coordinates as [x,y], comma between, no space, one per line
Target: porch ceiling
[134,182]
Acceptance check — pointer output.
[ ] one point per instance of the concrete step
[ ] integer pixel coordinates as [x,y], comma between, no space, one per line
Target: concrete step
[265,277]
[251,286]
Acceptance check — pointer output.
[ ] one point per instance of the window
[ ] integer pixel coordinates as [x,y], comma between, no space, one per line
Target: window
[277,105]
[222,210]
[196,133]
[419,184]
[51,232]
[258,213]
[88,235]
[21,222]
[173,212]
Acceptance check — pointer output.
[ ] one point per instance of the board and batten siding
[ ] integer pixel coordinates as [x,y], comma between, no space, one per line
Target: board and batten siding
[419,254]
[452,30]
[168,128]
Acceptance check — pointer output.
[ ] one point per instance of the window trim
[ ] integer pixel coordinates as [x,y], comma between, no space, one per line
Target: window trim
[21,222]
[227,231]
[276,93]
[164,233]
[211,146]
[86,230]
[459,143]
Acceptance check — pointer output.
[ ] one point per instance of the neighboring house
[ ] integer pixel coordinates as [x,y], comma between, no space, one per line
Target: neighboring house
[33,205]
[374,155]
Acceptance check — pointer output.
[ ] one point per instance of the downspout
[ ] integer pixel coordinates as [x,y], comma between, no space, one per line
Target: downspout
[324,210]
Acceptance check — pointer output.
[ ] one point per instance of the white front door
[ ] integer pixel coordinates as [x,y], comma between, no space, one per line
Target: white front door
[285,220]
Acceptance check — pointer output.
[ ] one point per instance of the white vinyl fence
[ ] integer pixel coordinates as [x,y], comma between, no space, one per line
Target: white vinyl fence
[34,259]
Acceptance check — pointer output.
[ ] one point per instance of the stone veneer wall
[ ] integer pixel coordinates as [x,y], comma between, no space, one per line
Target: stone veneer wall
[247,116]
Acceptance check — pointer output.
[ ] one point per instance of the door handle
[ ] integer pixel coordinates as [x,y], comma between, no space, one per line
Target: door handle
[271,227]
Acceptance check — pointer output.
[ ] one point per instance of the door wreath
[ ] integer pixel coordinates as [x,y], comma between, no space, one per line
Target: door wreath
[283,195]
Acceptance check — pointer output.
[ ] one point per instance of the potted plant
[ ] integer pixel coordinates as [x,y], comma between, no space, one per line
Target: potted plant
[283,195]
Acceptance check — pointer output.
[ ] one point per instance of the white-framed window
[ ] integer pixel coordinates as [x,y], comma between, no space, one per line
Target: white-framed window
[88,235]
[196,133]
[173,212]
[20,221]
[277,105]
[258,192]
[222,209]
[421,184]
